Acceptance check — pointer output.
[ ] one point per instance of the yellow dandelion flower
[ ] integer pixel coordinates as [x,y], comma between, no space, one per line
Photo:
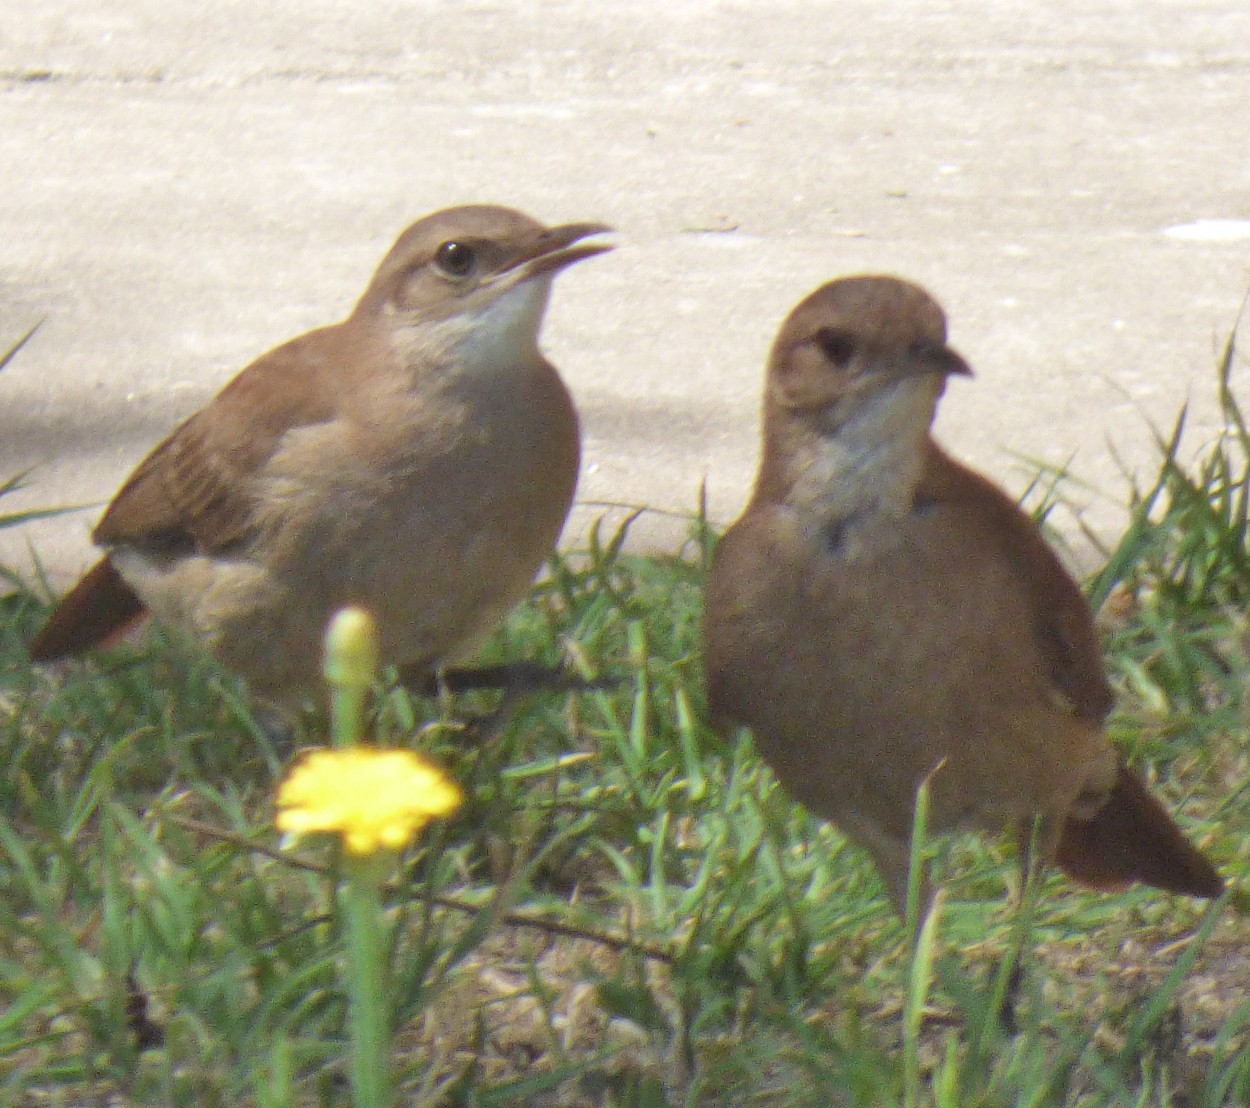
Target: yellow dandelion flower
[375,799]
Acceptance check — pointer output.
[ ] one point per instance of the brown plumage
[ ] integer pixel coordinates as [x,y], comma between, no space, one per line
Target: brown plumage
[418,459]
[879,610]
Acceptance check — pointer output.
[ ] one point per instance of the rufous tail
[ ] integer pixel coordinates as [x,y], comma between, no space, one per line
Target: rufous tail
[1132,838]
[100,607]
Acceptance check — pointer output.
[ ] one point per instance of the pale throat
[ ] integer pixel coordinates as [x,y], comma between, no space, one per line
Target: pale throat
[480,340]
[865,471]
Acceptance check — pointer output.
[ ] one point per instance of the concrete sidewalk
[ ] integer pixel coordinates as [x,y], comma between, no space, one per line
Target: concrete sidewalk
[187,185]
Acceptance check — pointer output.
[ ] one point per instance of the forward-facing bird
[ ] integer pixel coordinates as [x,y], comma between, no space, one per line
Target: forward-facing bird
[417,459]
[879,612]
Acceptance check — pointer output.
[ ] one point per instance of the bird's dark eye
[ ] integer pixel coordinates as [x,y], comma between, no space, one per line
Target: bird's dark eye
[455,259]
[837,346]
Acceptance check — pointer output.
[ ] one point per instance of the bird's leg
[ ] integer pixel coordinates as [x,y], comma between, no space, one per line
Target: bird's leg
[484,729]
[516,680]
[1032,837]
[522,677]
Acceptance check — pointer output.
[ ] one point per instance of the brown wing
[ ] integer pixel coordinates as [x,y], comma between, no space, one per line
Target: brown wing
[1063,626]
[1131,837]
[195,488]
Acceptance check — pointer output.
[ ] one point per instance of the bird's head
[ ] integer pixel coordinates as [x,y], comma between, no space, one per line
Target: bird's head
[852,384]
[857,348]
[478,273]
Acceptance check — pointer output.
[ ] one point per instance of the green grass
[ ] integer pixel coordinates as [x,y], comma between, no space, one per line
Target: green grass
[627,910]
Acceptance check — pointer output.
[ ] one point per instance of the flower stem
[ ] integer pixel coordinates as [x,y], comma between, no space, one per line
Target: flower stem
[361,897]
[351,665]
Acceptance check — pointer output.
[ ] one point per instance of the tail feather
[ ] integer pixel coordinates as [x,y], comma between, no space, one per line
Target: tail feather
[1132,838]
[100,607]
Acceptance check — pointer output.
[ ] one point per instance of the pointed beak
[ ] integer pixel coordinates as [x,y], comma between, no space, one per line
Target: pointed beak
[555,249]
[929,357]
